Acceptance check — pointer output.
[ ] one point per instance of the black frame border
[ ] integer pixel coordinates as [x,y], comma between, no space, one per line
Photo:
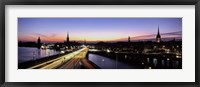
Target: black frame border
[99,2]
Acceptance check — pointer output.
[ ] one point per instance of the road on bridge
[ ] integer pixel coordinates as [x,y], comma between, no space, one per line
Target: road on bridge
[78,61]
[74,60]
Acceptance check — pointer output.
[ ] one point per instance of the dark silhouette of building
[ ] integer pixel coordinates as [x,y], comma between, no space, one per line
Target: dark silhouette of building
[158,37]
[67,42]
[174,39]
[67,38]
[129,39]
[70,44]
[39,43]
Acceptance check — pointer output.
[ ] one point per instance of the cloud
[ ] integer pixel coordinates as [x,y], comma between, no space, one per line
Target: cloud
[169,34]
[162,34]
[44,36]
[39,35]
[173,33]
[53,35]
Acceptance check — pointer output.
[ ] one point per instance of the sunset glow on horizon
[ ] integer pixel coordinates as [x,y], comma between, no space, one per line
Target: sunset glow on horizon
[96,29]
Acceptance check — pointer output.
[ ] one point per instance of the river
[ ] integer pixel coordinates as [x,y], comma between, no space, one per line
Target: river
[108,63]
[30,53]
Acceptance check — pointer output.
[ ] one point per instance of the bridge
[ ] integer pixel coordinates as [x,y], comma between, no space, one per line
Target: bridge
[74,60]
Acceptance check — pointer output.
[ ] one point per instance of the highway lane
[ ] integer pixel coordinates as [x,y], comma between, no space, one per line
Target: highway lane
[78,61]
[58,61]
[71,64]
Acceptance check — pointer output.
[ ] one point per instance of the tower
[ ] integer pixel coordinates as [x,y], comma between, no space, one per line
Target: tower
[129,39]
[38,43]
[158,37]
[67,39]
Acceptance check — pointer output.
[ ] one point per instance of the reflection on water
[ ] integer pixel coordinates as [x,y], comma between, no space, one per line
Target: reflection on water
[107,63]
[155,62]
[163,63]
[28,53]
[134,61]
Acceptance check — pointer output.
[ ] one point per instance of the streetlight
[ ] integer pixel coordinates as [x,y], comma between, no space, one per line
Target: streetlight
[108,51]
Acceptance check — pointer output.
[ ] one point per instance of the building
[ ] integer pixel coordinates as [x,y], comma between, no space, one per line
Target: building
[158,37]
[66,42]
[129,39]
[67,39]
[39,43]
[70,44]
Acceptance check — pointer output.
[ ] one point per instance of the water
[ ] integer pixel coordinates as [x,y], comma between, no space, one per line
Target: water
[29,53]
[107,63]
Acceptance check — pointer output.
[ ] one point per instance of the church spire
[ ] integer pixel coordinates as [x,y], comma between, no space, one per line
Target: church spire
[67,37]
[129,39]
[158,37]
[38,43]
[158,31]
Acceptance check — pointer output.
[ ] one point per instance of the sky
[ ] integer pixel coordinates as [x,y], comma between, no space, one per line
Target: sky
[97,29]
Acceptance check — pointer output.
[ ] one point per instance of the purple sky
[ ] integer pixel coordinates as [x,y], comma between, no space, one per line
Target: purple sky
[96,29]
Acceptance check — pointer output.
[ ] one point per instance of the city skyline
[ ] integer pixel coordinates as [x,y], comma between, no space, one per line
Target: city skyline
[97,29]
